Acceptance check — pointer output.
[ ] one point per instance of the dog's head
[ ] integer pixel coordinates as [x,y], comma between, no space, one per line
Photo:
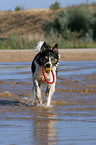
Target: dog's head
[48,57]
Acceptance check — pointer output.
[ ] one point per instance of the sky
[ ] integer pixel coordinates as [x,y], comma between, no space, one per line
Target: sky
[6,5]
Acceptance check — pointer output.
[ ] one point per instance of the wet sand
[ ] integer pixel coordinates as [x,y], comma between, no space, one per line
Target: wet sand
[66,55]
[24,90]
[70,120]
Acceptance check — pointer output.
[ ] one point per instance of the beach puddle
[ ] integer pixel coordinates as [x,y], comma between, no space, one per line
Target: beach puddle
[71,118]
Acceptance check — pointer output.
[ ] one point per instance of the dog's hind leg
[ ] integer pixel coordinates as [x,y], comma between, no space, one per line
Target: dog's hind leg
[38,91]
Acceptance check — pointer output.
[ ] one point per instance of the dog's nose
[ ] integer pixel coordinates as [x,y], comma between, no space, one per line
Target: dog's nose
[48,65]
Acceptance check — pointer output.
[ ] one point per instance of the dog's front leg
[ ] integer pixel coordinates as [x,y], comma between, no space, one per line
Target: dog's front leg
[49,92]
[38,91]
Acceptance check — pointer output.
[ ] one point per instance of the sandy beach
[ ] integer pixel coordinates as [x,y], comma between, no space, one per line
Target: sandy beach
[66,55]
[71,118]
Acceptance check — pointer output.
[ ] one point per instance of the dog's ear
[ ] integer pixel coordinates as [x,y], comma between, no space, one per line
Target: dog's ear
[45,46]
[55,48]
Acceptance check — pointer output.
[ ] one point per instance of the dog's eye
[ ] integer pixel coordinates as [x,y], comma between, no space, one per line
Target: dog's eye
[54,60]
[44,58]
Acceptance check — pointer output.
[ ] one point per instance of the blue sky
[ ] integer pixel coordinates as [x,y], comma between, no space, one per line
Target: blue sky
[6,5]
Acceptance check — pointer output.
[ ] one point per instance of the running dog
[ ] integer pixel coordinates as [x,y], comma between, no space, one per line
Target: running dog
[44,68]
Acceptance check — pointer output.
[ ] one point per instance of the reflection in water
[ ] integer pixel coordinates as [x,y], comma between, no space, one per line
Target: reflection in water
[71,119]
[44,126]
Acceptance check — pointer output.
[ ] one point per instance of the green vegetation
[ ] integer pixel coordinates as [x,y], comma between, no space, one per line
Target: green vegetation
[78,24]
[74,27]
[55,6]
[17,42]
[18,8]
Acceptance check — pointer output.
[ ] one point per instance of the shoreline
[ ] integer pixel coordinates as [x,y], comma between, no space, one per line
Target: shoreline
[65,55]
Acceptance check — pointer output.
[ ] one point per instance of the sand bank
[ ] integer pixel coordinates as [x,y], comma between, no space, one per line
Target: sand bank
[66,55]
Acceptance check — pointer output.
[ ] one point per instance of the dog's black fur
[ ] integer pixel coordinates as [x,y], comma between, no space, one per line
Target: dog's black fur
[49,58]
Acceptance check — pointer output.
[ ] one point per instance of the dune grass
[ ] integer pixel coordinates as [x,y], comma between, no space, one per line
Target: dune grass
[70,28]
[29,42]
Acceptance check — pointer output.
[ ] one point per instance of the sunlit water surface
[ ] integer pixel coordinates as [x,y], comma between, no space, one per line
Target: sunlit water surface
[71,120]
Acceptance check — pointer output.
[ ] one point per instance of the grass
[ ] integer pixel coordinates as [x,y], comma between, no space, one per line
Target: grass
[62,26]
[29,42]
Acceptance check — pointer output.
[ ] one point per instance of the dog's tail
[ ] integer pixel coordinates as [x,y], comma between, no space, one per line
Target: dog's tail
[38,46]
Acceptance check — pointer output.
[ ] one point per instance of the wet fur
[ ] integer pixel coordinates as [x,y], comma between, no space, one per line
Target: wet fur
[49,58]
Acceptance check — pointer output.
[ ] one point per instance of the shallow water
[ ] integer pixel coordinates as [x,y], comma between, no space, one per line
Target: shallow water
[71,120]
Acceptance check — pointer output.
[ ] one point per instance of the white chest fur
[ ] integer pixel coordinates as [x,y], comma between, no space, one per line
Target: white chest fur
[38,75]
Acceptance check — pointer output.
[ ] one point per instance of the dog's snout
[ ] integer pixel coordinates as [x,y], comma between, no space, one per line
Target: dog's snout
[48,65]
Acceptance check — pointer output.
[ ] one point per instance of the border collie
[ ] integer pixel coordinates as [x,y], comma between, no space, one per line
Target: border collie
[44,68]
